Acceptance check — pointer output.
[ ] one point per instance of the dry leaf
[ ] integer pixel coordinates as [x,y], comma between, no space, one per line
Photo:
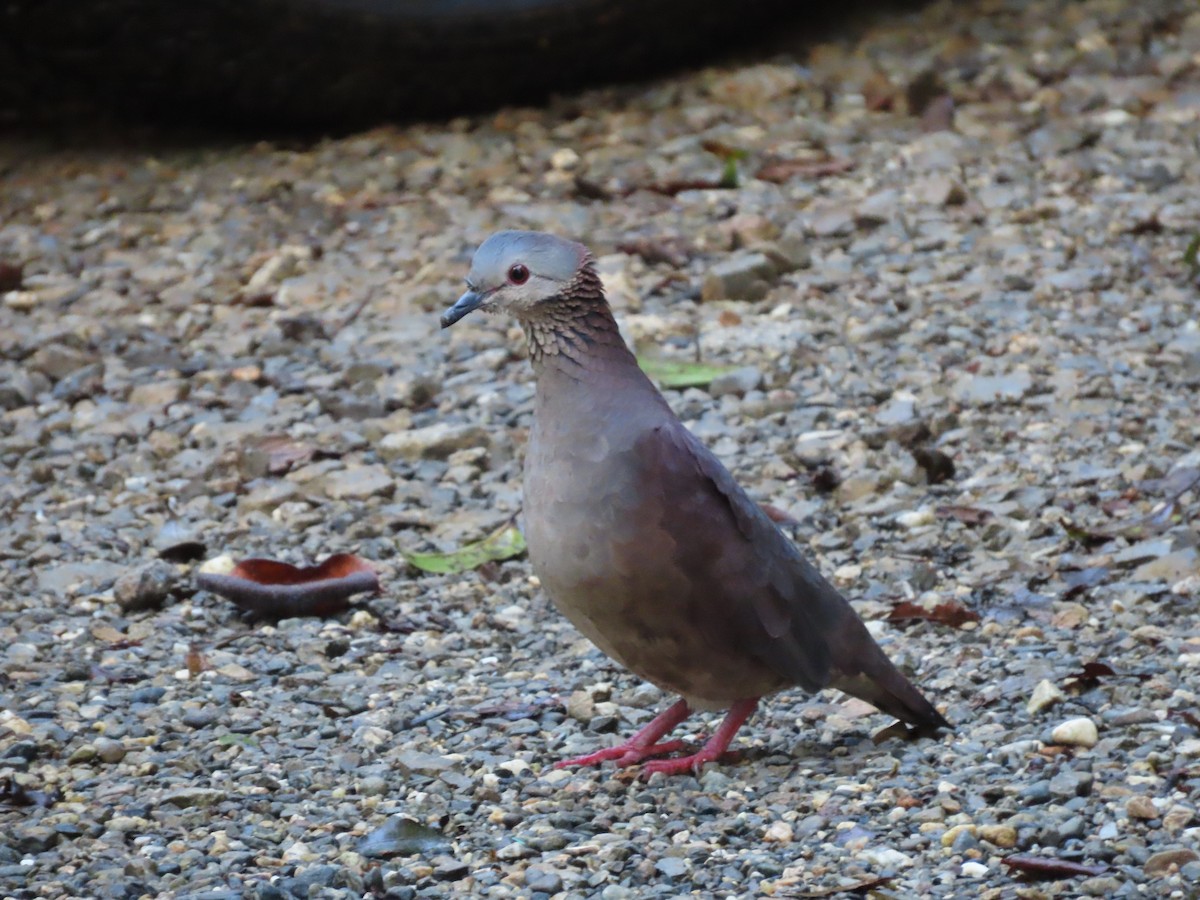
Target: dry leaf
[280,590]
[777,515]
[1045,867]
[504,543]
[195,661]
[784,170]
[949,613]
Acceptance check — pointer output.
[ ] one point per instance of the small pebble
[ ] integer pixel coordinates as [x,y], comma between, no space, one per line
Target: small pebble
[1078,732]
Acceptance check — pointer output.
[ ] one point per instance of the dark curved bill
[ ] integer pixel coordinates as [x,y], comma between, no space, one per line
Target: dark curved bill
[468,302]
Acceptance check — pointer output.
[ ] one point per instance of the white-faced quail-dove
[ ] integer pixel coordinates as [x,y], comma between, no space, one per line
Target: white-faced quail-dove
[642,538]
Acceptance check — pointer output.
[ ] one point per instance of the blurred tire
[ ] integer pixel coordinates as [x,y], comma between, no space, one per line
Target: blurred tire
[340,63]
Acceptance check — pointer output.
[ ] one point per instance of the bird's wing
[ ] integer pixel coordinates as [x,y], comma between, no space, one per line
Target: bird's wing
[747,578]
[751,585]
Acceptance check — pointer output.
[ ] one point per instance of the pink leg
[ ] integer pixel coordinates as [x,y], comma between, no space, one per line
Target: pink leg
[641,745]
[711,751]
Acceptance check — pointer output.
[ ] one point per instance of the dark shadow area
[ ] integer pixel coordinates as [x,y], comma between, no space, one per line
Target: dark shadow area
[124,69]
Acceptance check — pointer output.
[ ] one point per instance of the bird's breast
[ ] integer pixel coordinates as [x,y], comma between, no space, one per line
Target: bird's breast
[596,540]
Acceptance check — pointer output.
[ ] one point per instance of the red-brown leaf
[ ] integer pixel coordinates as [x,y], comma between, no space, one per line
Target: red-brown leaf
[1090,675]
[786,169]
[678,186]
[11,277]
[949,613]
[278,589]
[777,515]
[1045,867]
[195,661]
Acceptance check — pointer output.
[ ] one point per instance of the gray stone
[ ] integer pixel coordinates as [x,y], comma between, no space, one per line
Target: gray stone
[672,867]
[739,382]
[358,482]
[543,880]
[436,441]
[194,797]
[744,276]
[146,587]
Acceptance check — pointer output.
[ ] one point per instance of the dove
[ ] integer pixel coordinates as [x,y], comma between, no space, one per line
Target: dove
[642,538]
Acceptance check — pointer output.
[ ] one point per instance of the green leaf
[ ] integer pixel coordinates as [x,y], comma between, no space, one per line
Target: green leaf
[729,173]
[674,373]
[245,740]
[1191,256]
[504,543]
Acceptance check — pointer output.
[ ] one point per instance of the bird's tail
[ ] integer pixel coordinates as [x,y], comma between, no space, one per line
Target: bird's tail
[876,680]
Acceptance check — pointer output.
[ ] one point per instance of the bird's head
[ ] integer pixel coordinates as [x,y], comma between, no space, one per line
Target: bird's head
[515,271]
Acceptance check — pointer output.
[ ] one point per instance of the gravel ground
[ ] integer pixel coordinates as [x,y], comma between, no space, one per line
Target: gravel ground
[951,284]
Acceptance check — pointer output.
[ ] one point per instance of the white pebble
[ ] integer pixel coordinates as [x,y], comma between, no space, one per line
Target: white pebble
[915,518]
[778,832]
[298,852]
[218,565]
[974,869]
[514,766]
[564,158]
[1079,732]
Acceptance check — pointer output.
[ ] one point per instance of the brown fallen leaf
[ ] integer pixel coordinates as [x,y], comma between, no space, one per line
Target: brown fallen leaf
[1089,676]
[678,186]
[786,169]
[11,277]
[777,515]
[968,515]
[858,887]
[280,590]
[1045,867]
[195,661]
[949,613]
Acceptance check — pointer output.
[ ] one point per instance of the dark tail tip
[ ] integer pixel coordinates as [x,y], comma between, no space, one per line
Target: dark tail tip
[892,693]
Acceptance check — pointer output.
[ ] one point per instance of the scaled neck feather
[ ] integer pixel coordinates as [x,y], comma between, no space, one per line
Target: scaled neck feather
[575,329]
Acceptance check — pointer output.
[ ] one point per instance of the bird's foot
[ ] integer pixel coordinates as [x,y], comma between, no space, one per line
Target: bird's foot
[683,765]
[642,745]
[711,751]
[627,754]
[645,744]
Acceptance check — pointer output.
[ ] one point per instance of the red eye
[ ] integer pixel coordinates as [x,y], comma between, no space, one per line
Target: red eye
[518,274]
